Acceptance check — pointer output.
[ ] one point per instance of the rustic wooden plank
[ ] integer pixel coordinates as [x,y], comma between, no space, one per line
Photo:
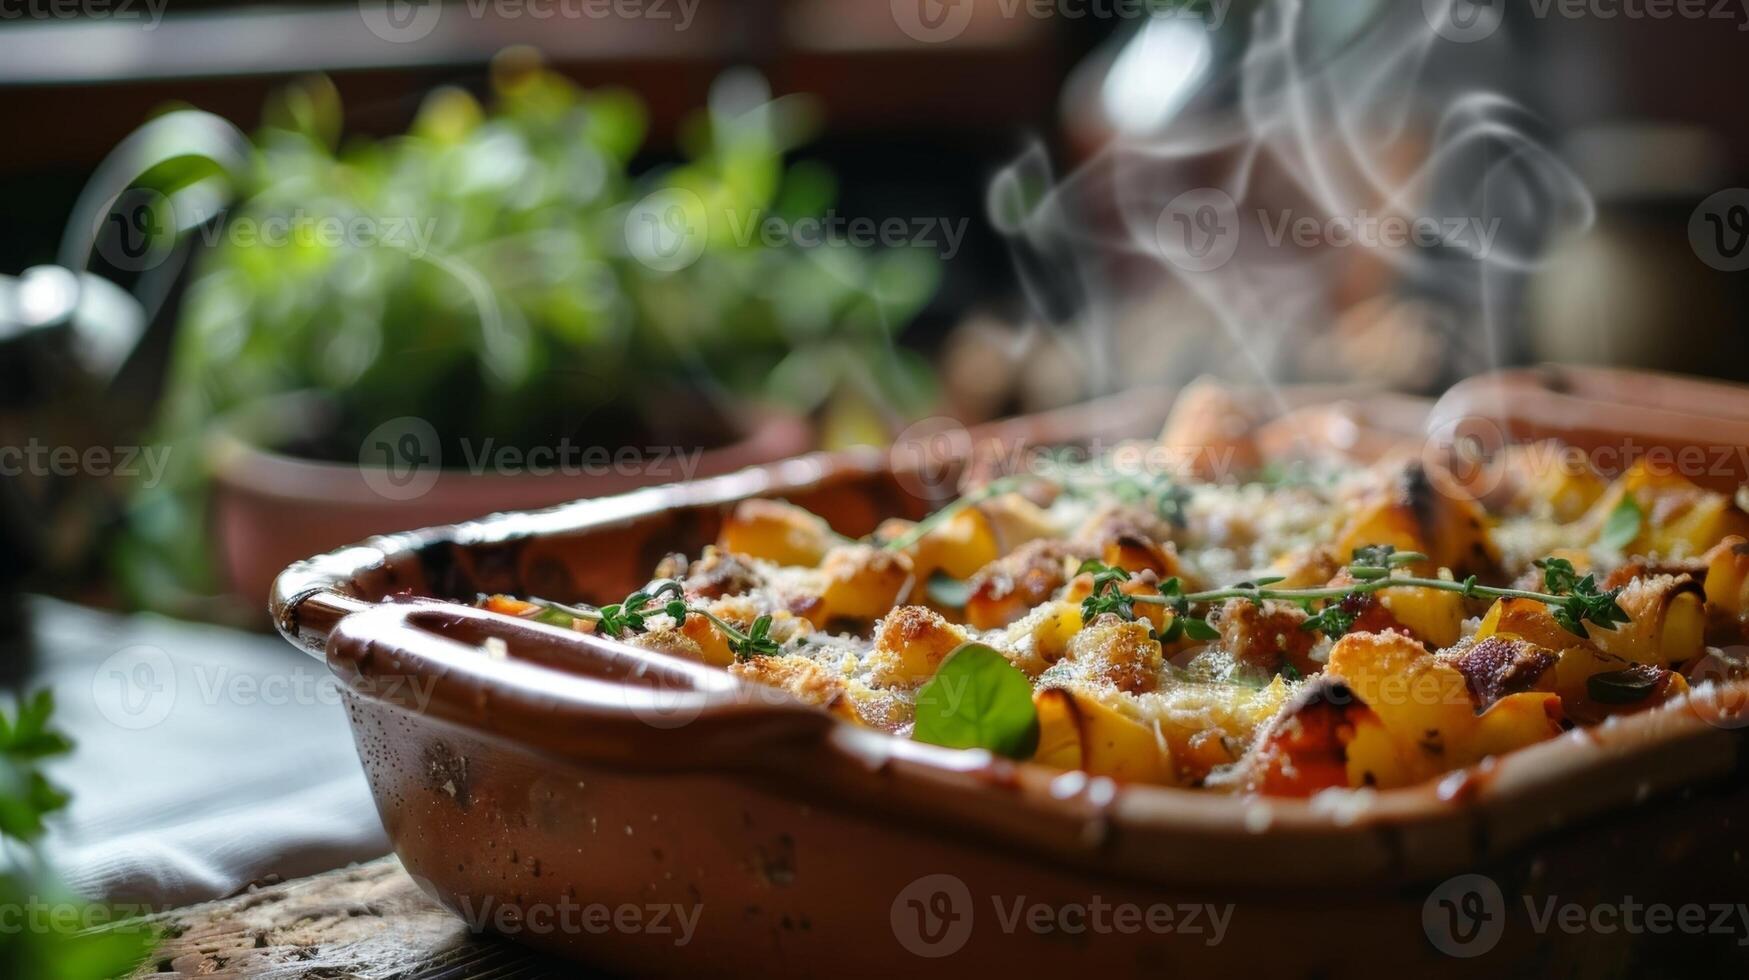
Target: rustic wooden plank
[368,922]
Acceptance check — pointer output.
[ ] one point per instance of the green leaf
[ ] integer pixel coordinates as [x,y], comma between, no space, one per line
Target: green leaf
[978,700]
[948,592]
[1630,686]
[1374,555]
[1623,525]
[1199,629]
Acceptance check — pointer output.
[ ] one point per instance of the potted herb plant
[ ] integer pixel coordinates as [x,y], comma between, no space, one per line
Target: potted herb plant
[491,311]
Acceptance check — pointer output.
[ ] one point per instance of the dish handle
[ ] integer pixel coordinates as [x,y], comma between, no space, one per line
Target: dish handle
[575,695]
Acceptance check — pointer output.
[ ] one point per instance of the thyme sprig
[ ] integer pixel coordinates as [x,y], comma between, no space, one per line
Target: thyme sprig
[1574,601]
[629,617]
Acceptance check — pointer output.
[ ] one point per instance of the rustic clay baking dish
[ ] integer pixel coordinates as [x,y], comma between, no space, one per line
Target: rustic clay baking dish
[568,771]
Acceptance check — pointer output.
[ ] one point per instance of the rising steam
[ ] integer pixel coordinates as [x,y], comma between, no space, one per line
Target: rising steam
[1267,208]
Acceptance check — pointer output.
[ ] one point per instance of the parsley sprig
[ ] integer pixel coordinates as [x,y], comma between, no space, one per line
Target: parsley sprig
[629,617]
[1574,601]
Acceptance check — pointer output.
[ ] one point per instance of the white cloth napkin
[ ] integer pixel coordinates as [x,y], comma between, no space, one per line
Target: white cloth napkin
[206,759]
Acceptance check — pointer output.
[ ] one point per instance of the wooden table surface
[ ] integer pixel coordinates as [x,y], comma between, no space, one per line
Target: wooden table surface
[368,922]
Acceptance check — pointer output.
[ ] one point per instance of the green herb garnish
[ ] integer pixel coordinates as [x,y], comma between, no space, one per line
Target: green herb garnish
[1623,524]
[1630,686]
[51,948]
[628,618]
[948,592]
[978,700]
[1573,601]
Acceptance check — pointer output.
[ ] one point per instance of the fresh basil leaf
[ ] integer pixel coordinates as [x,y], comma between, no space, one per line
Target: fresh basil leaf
[948,592]
[1623,525]
[1199,629]
[554,617]
[1630,686]
[978,700]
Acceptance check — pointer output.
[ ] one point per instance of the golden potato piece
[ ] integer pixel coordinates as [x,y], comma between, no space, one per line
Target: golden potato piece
[1041,638]
[1308,747]
[1727,591]
[668,640]
[777,532]
[1080,732]
[863,582]
[1423,703]
[1415,514]
[801,677]
[1668,622]
[1117,652]
[1011,586]
[910,645]
[1513,722]
[1435,616]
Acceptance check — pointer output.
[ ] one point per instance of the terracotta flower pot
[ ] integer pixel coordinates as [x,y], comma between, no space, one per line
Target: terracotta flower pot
[271,508]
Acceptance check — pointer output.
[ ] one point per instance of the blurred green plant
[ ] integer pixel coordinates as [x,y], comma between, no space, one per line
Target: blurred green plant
[42,932]
[500,286]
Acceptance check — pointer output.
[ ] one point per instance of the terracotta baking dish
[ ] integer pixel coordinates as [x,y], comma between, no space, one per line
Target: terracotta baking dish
[564,773]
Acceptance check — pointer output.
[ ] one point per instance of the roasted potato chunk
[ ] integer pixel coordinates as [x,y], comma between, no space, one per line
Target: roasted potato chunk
[1423,703]
[910,645]
[1412,513]
[1119,653]
[1265,637]
[862,582]
[1306,749]
[777,532]
[1668,622]
[1011,586]
[1081,732]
